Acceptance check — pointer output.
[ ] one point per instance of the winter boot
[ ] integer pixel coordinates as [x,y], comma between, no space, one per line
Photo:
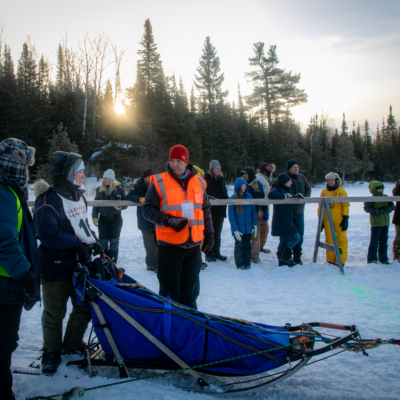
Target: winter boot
[50,362]
[396,251]
[220,258]
[210,258]
[297,259]
[203,265]
[284,260]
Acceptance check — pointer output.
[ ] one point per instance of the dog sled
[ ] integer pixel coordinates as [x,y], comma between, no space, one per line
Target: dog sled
[141,330]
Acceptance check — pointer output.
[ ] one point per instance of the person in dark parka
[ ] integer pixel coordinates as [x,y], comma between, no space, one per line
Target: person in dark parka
[300,186]
[396,222]
[137,194]
[110,221]
[282,220]
[216,189]
[60,218]
[19,269]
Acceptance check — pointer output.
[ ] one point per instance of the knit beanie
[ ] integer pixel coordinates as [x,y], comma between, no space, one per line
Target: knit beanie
[179,152]
[15,158]
[290,164]
[110,174]
[147,172]
[283,179]
[214,164]
[267,169]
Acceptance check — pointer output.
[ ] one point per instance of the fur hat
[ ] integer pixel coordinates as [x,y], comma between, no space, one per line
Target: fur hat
[179,152]
[335,176]
[110,174]
[15,158]
[267,169]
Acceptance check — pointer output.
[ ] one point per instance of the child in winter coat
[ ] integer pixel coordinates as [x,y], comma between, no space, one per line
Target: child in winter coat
[379,219]
[243,221]
[282,220]
[340,216]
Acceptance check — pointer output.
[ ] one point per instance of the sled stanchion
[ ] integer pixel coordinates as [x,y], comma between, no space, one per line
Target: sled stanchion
[201,381]
[334,238]
[118,358]
[318,236]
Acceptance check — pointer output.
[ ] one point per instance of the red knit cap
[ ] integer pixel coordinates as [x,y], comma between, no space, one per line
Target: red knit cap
[179,152]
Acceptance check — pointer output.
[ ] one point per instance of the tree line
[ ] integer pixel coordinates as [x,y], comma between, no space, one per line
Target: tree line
[79,103]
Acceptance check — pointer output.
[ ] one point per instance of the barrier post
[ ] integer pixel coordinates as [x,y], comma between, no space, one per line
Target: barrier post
[318,236]
[333,233]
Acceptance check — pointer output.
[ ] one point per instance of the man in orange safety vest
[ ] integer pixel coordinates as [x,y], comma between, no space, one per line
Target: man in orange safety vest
[177,203]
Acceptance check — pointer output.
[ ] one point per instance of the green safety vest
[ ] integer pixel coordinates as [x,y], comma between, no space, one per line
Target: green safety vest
[3,272]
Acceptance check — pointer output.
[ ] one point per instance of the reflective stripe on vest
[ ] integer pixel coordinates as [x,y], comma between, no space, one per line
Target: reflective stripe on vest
[3,272]
[171,196]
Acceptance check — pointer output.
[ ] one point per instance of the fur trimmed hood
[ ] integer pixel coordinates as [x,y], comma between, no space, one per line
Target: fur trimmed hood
[40,187]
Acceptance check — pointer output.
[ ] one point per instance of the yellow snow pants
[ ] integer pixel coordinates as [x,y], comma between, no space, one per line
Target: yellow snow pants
[341,239]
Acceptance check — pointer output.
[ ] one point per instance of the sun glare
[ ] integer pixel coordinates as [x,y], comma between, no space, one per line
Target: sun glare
[119,108]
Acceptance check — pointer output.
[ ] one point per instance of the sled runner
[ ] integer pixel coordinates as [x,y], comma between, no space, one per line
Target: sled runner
[137,328]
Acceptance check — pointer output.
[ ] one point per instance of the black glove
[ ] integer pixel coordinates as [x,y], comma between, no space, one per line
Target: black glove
[97,248]
[345,223]
[177,224]
[208,243]
[388,210]
[29,290]
[82,250]
[298,196]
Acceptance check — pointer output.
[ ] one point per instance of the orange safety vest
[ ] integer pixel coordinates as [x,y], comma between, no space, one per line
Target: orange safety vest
[172,194]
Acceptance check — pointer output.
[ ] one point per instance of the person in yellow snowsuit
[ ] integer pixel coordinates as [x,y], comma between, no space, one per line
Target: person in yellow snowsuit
[340,216]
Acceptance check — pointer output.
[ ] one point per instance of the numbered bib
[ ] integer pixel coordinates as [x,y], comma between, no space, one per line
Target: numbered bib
[76,213]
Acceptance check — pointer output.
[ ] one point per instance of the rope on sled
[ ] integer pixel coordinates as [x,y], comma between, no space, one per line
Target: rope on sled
[79,392]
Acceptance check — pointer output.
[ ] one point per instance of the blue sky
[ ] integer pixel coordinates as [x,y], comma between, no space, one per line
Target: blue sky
[346,51]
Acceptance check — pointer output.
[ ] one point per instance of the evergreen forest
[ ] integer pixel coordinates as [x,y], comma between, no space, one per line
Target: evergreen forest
[49,106]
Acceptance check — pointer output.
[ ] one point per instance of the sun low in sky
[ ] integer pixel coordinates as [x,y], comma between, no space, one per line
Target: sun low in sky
[347,51]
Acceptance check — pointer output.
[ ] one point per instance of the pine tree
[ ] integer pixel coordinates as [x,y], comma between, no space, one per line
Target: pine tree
[273,87]
[149,63]
[27,75]
[60,142]
[367,140]
[346,161]
[209,79]
[344,129]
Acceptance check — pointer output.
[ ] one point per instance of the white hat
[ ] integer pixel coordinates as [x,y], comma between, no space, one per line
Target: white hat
[110,174]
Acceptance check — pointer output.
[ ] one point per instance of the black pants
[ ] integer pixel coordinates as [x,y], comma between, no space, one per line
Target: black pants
[379,241]
[218,223]
[10,317]
[178,274]
[109,232]
[243,251]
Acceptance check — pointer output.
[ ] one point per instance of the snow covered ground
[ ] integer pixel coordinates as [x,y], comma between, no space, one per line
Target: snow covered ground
[367,296]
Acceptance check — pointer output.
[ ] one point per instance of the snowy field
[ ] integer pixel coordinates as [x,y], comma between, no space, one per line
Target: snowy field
[367,296]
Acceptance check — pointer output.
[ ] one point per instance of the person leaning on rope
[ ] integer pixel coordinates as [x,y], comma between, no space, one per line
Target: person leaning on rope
[178,205]
[19,270]
[61,222]
[110,221]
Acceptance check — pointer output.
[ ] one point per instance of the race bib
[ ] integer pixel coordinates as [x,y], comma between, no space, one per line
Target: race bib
[76,213]
[187,209]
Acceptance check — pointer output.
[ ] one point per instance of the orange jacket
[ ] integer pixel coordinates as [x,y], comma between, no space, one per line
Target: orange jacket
[171,197]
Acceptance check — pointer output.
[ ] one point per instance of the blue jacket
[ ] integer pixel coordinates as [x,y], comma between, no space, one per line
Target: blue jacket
[255,195]
[242,222]
[18,252]
[282,220]
[138,191]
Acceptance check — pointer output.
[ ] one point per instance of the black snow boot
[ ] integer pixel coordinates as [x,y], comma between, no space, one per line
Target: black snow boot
[284,260]
[297,259]
[50,362]
[220,257]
